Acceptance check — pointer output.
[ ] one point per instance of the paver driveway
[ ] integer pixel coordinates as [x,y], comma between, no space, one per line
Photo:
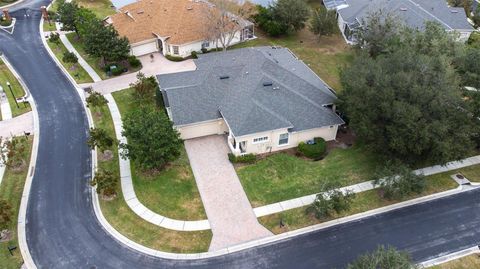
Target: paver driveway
[228,209]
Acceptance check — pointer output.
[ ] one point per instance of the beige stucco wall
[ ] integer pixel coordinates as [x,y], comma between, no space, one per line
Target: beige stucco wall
[294,139]
[215,127]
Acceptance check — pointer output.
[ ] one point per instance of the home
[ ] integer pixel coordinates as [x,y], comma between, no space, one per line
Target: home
[263,99]
[173,27]
[414,13]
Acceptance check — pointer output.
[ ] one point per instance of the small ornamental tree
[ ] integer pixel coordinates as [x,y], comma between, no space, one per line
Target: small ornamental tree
[54,38]
[398,181]
[96,99]
[5,214]
[104,42]
[331,200]
[67,15]
[145,88]
[383,258]
[292,13]
[70,57]
[152,140]
[14,151]
[324,22]
[99,138]
[105,182]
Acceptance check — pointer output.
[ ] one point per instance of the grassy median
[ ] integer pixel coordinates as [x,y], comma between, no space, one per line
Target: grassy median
[11,190]
[364,201]
[123,219]
[6,75]
[74,69]
[467,262]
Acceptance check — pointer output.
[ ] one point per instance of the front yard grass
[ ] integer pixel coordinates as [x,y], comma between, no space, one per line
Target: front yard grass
[171,192]
[91,60]
[124,220]
[472,173]
[6,75]
[364,201]
[11,190]
[467,262]
[75,70]
[101,8]
[283,176]
[49,27]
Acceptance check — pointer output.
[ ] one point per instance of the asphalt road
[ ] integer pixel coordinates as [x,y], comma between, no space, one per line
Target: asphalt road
[63,232]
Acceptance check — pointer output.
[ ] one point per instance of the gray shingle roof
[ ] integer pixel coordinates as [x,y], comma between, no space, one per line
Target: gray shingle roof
[414,13]
[295,100]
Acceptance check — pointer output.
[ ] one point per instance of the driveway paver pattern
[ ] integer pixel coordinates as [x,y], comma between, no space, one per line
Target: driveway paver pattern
[228,209]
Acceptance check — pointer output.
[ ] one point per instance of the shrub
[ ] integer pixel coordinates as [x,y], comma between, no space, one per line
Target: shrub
[106,183]
[383,258]
[314,151]
[134,61]
[145,88]
[54,38]
[99,138]
[70,57]
[4,22]
[5,214]
[117,71]
[204,50]
[474,40]
[331,200]
[194,55]
[174,58]
[96,99]
[398,181]
[247,158]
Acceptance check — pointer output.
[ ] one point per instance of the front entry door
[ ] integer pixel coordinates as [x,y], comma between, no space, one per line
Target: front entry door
[160,45]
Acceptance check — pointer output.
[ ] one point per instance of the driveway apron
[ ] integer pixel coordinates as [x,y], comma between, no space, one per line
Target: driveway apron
[230,214]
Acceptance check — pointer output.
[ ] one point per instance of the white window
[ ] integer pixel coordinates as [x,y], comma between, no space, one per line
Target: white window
[205,44]
[175,50]
[283,139]
[260,139]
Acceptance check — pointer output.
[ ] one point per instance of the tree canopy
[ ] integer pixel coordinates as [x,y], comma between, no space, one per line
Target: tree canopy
[324,22]
[152,140]
[406,101]
[282,17]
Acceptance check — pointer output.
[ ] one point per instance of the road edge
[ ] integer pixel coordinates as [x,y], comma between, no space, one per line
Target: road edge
[22,212]
[450,257]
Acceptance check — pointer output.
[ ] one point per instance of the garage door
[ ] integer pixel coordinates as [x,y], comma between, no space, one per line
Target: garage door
[199,130]
[144,49]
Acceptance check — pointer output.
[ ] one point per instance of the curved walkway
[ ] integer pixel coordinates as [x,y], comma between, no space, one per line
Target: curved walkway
[81,61]
[129,192]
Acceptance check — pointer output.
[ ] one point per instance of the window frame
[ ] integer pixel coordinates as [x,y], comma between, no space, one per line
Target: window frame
[263,139]
[280,139]
[176,50]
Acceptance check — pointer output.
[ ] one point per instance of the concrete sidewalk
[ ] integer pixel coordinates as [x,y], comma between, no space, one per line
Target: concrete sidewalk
[91,72]
[5,106]
[129,191]
[17,126]
[228,209]
[160,65]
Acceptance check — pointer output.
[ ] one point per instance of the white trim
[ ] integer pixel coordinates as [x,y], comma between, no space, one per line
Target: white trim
[264,139]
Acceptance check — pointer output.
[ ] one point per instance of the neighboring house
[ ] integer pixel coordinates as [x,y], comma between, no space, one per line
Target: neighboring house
[264,98]
[414,13]
[173,27]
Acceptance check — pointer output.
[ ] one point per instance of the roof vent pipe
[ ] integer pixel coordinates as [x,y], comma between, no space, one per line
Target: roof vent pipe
[224,77]
[268,83]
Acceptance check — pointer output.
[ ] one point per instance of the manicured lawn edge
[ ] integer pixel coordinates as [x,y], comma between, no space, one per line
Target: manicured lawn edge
[125,221]
[468,262]
[7,75]
[173,191]
[11,190]
[79,74]
[365,201]
[80,48]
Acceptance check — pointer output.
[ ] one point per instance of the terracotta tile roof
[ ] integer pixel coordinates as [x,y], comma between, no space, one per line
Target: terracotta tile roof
[181,20]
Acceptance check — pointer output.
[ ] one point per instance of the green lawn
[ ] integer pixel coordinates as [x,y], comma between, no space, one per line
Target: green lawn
[283,176]
[6,2]
[172,192]
[6,75]
[49,27]
[11,190]
[124,220]
[364,201]
[91,60]
[75,70]
[472,173]
[468,262]
[101,8]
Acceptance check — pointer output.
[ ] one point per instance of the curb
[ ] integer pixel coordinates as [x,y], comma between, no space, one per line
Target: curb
[7,28]
[12,4]
[450,257]
[22,212]
[129,192]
